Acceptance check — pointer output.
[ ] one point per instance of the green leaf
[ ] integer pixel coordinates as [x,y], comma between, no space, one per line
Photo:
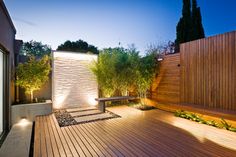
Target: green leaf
[32,75]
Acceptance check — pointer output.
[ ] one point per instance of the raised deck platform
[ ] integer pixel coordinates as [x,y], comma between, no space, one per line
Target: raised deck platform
[137,133]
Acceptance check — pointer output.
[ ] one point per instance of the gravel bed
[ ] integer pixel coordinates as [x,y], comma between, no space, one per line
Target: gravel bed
[64,118]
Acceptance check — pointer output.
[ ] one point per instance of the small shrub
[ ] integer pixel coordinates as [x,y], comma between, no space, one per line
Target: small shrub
[232,129]
[141,106]
[225,124]
[212,123]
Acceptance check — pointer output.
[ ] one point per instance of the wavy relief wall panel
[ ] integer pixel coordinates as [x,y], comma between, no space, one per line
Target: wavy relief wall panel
[74,85]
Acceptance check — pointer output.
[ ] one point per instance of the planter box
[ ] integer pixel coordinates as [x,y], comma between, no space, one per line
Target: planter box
[29,111]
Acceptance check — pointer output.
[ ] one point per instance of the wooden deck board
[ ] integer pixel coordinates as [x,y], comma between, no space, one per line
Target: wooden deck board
[74,141]
[37,149]
[61,136]
[101,147]
[53,139]
[111,140]
[130,140]
[89,144]
[57,138]
[136,133]
[70,142]
[49,144]
[108,147]
[42,138]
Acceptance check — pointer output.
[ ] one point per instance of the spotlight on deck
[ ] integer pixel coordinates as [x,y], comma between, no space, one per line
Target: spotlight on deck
[23,122]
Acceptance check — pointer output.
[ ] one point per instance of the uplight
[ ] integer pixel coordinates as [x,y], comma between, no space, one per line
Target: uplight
[23,122]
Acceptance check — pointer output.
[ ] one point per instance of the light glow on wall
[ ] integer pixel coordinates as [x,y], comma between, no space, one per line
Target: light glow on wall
[59,101]
[74,85]
[91,100]
[74,55]
[205,133]
[23,122]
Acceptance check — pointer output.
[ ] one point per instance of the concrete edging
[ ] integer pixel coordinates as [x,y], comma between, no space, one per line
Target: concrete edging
[29,111]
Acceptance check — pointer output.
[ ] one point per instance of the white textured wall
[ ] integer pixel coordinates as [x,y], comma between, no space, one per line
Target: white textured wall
[74,85]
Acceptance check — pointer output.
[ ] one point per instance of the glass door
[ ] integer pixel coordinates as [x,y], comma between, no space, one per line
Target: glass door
[1,91]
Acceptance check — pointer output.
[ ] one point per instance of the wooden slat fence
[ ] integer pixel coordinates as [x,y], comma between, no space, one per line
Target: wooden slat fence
[208,72]
[165,87]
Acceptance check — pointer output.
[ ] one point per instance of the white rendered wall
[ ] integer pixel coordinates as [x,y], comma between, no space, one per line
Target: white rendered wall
[74,85]
[1,92]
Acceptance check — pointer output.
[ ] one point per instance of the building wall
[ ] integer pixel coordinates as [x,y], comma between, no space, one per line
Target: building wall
[74,85]
[7,31]
[7,41]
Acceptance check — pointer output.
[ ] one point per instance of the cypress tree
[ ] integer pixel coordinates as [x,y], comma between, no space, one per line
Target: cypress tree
[183,29]
[190,25]
[197,29]
[180,31]
[187,20]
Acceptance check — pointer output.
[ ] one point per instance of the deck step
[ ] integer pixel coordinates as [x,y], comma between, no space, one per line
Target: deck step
[85,113]
[81,109]
[93,117]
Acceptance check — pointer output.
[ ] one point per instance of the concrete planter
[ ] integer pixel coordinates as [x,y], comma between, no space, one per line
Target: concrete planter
[29,111]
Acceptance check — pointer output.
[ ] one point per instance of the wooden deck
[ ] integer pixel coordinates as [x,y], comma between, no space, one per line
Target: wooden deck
[137,133]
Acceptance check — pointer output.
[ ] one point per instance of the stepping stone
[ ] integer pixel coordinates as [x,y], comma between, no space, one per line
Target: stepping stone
[81,109]
[84,113]
[93,117]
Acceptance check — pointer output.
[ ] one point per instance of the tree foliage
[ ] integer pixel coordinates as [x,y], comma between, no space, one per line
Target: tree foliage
[119,69]
[104,72]
[190,25]
[78,46]
[198,30]
[34,48]
[147,69]
[161,48]
[33,74]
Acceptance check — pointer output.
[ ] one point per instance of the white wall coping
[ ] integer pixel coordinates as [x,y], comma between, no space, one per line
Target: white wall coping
[31,104]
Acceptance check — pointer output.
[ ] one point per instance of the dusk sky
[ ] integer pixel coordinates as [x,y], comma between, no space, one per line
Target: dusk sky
[105,23]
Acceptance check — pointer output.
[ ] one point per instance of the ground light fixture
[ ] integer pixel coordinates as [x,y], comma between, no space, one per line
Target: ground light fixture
[159,59]
[23,122]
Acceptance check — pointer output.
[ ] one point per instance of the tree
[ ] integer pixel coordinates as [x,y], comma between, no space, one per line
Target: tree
[33,74]
[161,48]
[103,69]
[184,25]
[120,69]
[116,70]
[78,46]
[198,31]
[147,70]
[34,48]
[125,69]
[189,26]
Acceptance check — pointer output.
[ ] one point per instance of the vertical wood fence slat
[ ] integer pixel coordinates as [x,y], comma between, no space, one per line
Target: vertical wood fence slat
[208,72]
